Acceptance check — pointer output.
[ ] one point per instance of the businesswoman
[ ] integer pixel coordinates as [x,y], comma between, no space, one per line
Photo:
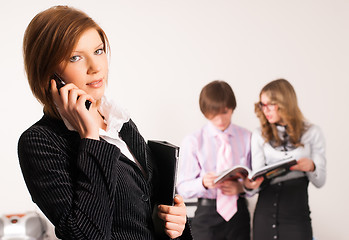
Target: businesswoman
[282,211]
[89,170]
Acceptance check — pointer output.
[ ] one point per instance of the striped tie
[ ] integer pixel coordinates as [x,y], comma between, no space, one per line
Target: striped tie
[226,205]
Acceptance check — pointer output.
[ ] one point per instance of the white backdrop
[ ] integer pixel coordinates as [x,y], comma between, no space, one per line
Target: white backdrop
[165,51]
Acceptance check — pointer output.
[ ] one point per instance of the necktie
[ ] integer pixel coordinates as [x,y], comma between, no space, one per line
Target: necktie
[226,205]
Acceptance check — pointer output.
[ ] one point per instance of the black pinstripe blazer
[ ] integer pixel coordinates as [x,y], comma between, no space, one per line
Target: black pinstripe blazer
[87,188]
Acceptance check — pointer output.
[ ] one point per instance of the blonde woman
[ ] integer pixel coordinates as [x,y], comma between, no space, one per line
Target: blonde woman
[282,210]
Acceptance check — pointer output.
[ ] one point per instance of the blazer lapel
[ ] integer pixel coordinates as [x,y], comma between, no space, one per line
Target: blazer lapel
[137,145]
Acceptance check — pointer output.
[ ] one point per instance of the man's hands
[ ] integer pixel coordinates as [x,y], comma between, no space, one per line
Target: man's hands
[230,187]
[208,179]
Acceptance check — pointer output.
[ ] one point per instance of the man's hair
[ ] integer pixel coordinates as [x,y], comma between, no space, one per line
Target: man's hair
[215,98]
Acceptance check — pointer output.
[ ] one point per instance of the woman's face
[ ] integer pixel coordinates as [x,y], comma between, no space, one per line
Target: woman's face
[87,67]
[222,120]
[271,111]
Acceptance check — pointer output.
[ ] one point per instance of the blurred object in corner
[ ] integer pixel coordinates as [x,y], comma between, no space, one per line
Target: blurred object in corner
[23,226]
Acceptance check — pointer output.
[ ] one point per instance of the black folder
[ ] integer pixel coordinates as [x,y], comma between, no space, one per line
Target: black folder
[166,160]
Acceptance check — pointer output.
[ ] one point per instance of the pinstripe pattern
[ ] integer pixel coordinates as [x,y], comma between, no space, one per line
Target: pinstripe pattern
[87,188]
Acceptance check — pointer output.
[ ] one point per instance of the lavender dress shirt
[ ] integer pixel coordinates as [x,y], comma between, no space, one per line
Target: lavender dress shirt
[198,156]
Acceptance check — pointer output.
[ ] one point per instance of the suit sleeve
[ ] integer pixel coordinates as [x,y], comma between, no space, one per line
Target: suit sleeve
[75,193]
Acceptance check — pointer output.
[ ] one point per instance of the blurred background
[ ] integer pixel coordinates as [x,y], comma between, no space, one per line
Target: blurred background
[164,51]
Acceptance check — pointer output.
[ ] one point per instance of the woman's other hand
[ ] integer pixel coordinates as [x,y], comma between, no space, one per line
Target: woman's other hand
[174,217]
[253,184]
[304,165]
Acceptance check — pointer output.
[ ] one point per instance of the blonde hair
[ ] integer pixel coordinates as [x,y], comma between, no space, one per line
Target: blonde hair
[48,41]
[282,93]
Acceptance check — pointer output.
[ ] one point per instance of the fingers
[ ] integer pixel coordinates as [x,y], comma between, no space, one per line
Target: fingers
[240,175]
[178,200]
[76,99]
[208,180]
[54,92]
[69,97]
[174,230]
[174,217]
[295,168]
[304,164]
[174,224]
[71,106]
[231,187]
[253,184]
[172,211]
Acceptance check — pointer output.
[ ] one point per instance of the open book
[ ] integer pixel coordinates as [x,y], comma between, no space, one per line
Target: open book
[268,172]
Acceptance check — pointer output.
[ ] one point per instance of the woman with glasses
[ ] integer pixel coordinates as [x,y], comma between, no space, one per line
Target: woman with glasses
[282,210]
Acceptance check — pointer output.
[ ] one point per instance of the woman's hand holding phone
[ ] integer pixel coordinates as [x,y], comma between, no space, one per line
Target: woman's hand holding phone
[70,102]
[60,83]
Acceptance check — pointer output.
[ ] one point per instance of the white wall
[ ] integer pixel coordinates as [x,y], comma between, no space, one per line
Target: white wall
[164,52]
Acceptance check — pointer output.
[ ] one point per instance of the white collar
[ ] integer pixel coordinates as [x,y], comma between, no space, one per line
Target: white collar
[114,115]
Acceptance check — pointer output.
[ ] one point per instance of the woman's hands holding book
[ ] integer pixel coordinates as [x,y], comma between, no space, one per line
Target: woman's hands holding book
[304,165]
[250,184]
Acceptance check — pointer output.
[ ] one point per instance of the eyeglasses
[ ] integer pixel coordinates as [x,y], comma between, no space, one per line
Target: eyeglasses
[269,106]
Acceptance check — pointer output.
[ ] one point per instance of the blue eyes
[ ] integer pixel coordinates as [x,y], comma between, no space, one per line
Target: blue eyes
[76,58]
[99,51]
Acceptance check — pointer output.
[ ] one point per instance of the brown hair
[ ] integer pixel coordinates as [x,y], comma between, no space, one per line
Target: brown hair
[282,93]
[48,41]
[215,97]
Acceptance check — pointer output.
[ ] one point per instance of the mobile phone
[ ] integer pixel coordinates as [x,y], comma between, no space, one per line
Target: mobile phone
[60,83]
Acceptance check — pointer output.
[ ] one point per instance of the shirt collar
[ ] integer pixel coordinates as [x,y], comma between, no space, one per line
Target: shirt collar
[114,115]
[213,131]
[281,128]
